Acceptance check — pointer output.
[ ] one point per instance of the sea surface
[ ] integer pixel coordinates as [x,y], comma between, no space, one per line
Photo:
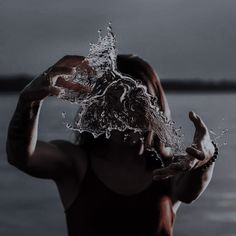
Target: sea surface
[31,206]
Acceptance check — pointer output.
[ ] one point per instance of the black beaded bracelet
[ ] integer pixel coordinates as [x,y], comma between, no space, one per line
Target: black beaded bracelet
[212,160]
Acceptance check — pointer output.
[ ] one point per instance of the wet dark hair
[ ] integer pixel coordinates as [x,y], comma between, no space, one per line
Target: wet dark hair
[138,69]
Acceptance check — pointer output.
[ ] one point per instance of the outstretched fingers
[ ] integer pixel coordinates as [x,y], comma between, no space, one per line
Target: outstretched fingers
[57,77]
[200,127]
[193,117]
[197,121]
[61,82]
[55,72]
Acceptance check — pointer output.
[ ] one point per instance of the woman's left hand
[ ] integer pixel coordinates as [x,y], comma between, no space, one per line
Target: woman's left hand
[200,152]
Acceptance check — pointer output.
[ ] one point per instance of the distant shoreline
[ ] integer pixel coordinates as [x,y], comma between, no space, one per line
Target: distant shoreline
[15,83]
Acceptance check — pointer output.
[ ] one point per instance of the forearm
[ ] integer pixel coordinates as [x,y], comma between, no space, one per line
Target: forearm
[23,131]
[189,186]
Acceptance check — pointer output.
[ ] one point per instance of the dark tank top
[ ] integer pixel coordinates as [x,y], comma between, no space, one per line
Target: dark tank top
[99,211]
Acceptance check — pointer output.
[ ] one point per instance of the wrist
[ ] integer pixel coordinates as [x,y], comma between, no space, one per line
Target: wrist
[206,165]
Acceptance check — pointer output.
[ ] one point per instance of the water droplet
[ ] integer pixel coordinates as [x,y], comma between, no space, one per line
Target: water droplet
[63,114]
[69,126]
[212,132]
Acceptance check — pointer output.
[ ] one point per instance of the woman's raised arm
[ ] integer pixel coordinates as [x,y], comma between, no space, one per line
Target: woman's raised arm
[41,159]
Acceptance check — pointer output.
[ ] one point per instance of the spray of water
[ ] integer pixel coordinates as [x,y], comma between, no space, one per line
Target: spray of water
[114,101]
[220,135]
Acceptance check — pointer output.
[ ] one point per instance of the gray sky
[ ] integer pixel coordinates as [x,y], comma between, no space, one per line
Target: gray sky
[180,38]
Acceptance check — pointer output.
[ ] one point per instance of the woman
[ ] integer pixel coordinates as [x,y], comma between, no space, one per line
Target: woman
[110,186]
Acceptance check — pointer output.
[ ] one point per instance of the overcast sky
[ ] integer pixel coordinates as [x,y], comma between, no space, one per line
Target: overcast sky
[180,38]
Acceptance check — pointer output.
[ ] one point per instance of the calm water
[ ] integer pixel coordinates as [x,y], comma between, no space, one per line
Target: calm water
[32,206]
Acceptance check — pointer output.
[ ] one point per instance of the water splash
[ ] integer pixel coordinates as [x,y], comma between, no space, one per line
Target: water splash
[220,135]
[102,55]
[108,100]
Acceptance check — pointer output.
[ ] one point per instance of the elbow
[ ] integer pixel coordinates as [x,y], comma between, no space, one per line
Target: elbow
[18,164]
[10,161]
[188,198]
[10,156]
[13,158]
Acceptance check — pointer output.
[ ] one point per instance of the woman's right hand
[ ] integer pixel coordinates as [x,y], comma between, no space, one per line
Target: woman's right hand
[43,85]
[49,82]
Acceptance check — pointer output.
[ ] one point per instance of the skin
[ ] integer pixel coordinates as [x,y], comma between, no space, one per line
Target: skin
[66,163]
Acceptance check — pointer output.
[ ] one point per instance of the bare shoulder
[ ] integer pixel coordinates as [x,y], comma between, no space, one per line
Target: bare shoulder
[69,184]
[67,146]
[75,153]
